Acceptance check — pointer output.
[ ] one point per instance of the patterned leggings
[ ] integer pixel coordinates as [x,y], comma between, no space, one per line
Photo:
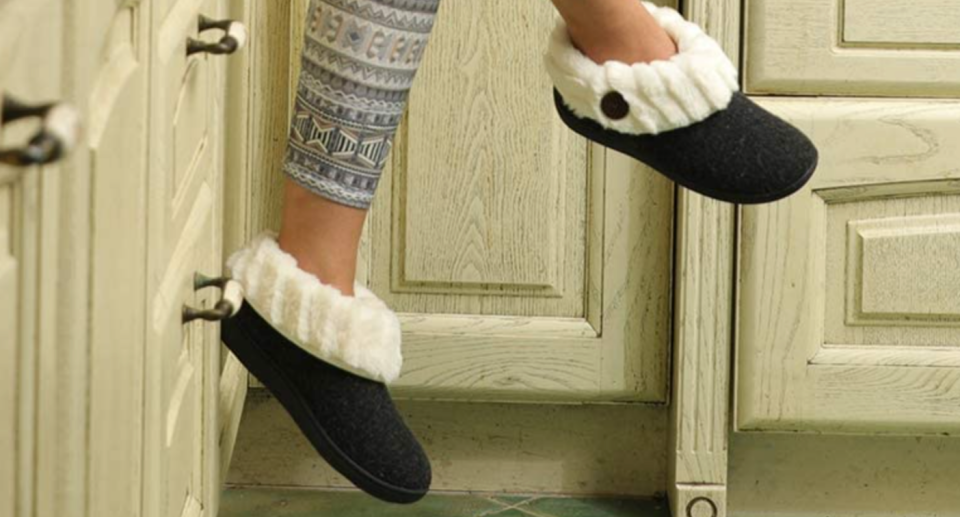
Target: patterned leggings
[359,61]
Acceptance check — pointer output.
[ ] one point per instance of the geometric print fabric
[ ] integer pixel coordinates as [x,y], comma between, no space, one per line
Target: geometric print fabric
[360,59]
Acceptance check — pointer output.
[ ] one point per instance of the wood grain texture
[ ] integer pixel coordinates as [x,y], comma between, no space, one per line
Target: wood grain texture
[64,456]
[118,161]
[184,237]
[925,24]
[805,364]
[706,240]
[488,187]
[798,475]
[260,88]
[238,134]
[564,240]
[9,345]
[797,47]
[481,447]
[489,169]
[882,244]
[267,108]
[232,393]
[585,248]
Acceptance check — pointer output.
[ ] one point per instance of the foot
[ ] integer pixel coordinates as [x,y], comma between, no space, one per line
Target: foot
[683,117]
[327,358]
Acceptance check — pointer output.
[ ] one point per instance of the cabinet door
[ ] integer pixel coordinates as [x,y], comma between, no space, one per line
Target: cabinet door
[849,316]
[183,237]
[110,53]
[29,69]
[848,313]
[525,262]
[853,47]
[9,308]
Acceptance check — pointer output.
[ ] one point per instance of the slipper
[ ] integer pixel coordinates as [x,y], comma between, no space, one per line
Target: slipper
[327,358]
[684,117]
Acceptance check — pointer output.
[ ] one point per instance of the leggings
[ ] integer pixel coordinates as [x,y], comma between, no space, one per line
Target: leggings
[359,62]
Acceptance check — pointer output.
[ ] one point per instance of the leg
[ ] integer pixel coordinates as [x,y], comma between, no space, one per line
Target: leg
[323,235]
[323,345]
[359,62]
[615,30]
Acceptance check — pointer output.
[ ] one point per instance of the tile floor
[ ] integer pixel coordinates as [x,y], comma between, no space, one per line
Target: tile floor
[272,502]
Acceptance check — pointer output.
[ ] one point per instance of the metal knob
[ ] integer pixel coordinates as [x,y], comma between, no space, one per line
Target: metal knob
[59,130]
[234,38]
[231,299]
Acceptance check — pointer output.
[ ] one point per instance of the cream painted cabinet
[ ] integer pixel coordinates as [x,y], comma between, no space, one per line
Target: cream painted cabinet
[30,60]
[115,407]
[525,263]
[849,312]
[183,237]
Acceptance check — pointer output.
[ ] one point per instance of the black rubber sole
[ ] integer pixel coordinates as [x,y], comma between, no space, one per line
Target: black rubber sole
[258,362]
[742,155]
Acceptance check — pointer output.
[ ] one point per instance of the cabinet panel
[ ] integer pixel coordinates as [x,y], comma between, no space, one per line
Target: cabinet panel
[848,315]
[30,59]
[489,188]
[924,24]
[853,47]
[116,137]
[183,238]
[526,263]
[9,309]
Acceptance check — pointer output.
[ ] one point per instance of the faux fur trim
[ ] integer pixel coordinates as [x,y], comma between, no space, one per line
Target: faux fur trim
[359,334]
[663,95]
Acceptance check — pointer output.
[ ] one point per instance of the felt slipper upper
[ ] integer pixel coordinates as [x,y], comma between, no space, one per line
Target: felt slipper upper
[646,98]
[359,334]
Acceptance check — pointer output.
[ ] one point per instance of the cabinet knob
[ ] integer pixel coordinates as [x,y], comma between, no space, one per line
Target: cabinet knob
[234,38]
[231,299]
[59,130]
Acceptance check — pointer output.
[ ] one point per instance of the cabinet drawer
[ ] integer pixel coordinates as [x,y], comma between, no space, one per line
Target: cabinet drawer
[186,103]
[848,313]
[853,47]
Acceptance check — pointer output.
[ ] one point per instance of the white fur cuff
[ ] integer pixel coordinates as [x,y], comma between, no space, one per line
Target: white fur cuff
[663,95]
[359,334]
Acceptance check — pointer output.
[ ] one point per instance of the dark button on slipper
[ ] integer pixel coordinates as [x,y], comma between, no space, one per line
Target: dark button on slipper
[683,117]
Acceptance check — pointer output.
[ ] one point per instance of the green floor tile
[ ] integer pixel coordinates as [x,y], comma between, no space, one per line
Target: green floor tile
[510,513]
[268,502]
[560,507]
[305,503]
[511,500]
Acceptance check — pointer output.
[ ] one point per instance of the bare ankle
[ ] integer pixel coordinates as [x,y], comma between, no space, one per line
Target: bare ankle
[614,30]
[322,235]
[331,272]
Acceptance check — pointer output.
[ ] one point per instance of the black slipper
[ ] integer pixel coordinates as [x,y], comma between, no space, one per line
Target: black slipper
[683,117]
[326,358]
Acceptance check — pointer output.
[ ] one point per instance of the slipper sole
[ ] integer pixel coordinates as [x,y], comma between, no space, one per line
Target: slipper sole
[237,337]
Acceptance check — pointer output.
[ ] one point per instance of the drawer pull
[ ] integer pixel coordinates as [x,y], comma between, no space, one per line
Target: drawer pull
[57,136]
[231,299]
[234,38]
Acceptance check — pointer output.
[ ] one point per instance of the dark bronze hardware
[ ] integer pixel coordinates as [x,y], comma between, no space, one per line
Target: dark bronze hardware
[229,304]
[57,135]
[234,38]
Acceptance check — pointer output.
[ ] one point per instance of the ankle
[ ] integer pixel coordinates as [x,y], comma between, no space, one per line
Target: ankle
[340,280]
[633,38]
[337,272]
[624,50]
